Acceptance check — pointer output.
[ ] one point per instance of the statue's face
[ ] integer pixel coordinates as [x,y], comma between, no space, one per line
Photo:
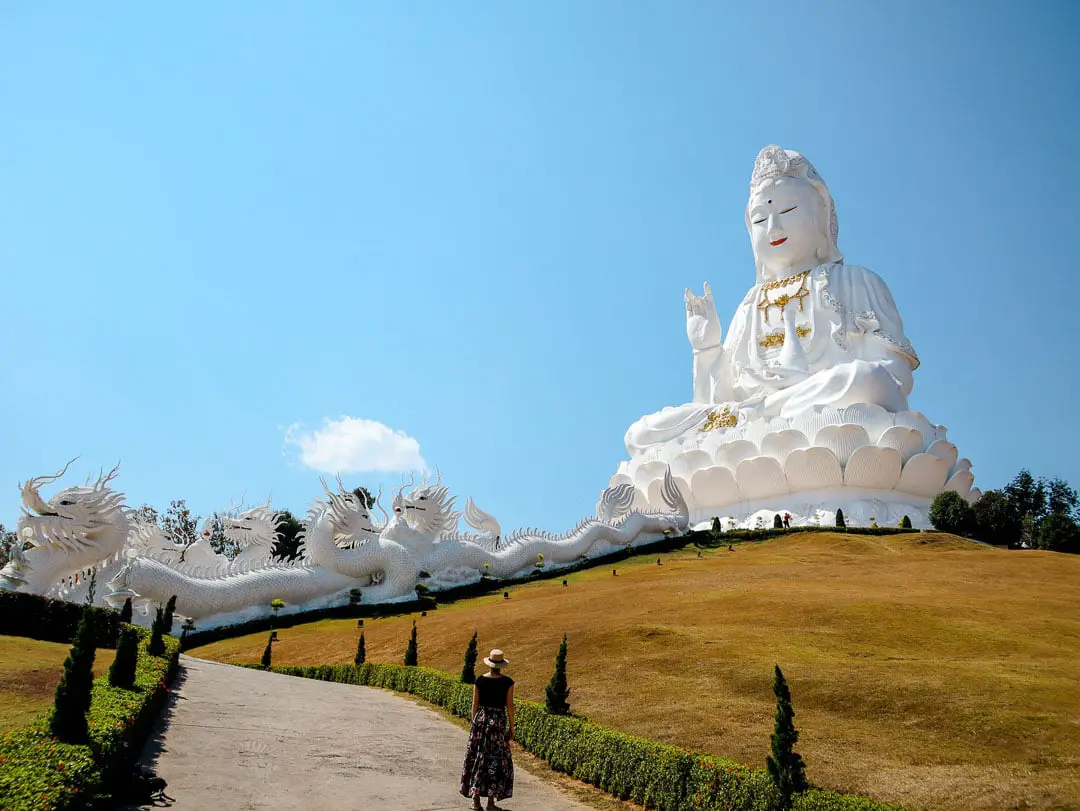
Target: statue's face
[786,228]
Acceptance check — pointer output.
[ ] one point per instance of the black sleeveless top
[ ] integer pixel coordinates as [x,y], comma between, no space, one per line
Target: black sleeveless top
[493,690]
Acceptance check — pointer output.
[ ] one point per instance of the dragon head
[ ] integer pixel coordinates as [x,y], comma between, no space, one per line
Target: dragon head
[428,508]
[254,527]
[92,515]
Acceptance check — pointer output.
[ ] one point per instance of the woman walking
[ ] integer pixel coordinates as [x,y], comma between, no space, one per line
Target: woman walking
[488,770]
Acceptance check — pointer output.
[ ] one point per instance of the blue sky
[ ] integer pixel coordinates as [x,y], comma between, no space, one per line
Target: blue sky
[472,223]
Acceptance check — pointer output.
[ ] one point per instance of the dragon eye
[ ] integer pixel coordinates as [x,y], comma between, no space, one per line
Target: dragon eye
[423,498]
[66,503]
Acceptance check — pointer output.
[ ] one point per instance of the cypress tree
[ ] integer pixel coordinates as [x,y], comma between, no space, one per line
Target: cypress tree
[411,652]
[785,765]
[170,607]
[557,693]
[72,699]
[840,519]
[267,655]
[157,644]
[122,672]
[468,670]
[125,612]
[905,523]
[361,651]
[777,522]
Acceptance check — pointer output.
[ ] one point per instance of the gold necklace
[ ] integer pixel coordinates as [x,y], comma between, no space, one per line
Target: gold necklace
[784,299]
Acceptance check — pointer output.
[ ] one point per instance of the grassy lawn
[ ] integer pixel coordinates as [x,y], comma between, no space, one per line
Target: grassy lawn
[29,673]
[924,669]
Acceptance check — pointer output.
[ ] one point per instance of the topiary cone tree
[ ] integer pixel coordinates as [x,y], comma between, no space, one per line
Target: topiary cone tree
[72,699]
[267,657]
[905,522]
[361,651]
[557,693]
[468,669]
[785,765]
[122,671]
[840,519]
[125,612]
[157,644]
[412,652]
[167,622]
[777,522]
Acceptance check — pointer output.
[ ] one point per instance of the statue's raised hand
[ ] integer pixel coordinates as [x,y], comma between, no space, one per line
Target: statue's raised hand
[702,323]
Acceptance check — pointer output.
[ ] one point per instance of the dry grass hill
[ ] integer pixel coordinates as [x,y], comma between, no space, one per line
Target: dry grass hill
[924,669]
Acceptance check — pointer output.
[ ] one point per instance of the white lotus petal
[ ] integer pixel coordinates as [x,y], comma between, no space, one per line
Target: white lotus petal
[647,473]
[619,478]
[761,477]
[875,419]
[812,469]
[686,491]
[624,467]
[812,421]
[943,450]
[974,495]
[730,454]
[913,419]
[842,440]
[923,475]
[908,441]
[641,501]
[961,482]
[778,445]
[962,464]
[688,463]
[873,467]
[940,432]
[714,487]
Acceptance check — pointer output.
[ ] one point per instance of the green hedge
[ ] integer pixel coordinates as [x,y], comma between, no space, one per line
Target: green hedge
[49,620]
[38,773]
[651,774]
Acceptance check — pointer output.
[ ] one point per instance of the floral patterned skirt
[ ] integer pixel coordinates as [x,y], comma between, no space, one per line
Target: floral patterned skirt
[488,769]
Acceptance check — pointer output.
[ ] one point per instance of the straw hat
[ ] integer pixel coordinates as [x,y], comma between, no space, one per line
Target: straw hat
[496,659]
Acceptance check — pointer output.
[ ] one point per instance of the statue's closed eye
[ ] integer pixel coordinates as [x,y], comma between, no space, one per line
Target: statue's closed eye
[787,210]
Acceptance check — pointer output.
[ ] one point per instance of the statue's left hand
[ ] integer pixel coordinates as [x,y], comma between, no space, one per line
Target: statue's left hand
[702,323]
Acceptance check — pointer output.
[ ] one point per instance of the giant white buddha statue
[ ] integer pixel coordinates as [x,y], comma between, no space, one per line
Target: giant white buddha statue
[814,368]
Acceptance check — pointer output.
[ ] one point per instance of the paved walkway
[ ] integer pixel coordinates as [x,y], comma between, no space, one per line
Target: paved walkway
[240,739]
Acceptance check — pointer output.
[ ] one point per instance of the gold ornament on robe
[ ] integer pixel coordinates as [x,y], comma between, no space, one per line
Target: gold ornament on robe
[719,419]
[783,299]
[775,339]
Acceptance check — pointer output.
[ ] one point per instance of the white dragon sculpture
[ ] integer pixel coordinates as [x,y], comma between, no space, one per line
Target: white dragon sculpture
[344,548]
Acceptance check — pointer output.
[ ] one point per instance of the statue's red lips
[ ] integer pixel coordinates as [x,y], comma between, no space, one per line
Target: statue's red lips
[779,242]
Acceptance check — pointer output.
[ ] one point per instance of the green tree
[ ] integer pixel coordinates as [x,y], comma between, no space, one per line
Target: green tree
[905,522]
[125,612]
[72,699]
[785,765]
[777,522]
[267,656]
[1061,499]
[1059,533]
[167,621]
[840,519]
[289,543]
[468,669]
[949,512]
[157,643]
[361,651]
[716,529]
[122,671]
[995,519]
[1027,495]
[366,499]
[412,652]
[557,693]
[1028,532]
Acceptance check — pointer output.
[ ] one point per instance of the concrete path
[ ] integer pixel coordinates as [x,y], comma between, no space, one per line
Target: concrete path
[236,739]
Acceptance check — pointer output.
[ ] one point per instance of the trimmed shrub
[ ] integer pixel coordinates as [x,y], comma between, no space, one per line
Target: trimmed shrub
[125,612]
[557,693]
[361,651]
[645,772]
[72,699]
[122,671]
[167,622]
[905,523]
[157,642]
[38,773]
[412,652]
[50,620]
[267,657]
[949,512]
[840,523]
[468,668]
[785,765]
[778,521]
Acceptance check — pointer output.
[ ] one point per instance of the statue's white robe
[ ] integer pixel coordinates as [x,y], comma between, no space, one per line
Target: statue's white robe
[853,351]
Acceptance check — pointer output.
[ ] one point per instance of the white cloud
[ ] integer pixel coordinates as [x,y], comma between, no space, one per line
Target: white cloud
[355,445]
